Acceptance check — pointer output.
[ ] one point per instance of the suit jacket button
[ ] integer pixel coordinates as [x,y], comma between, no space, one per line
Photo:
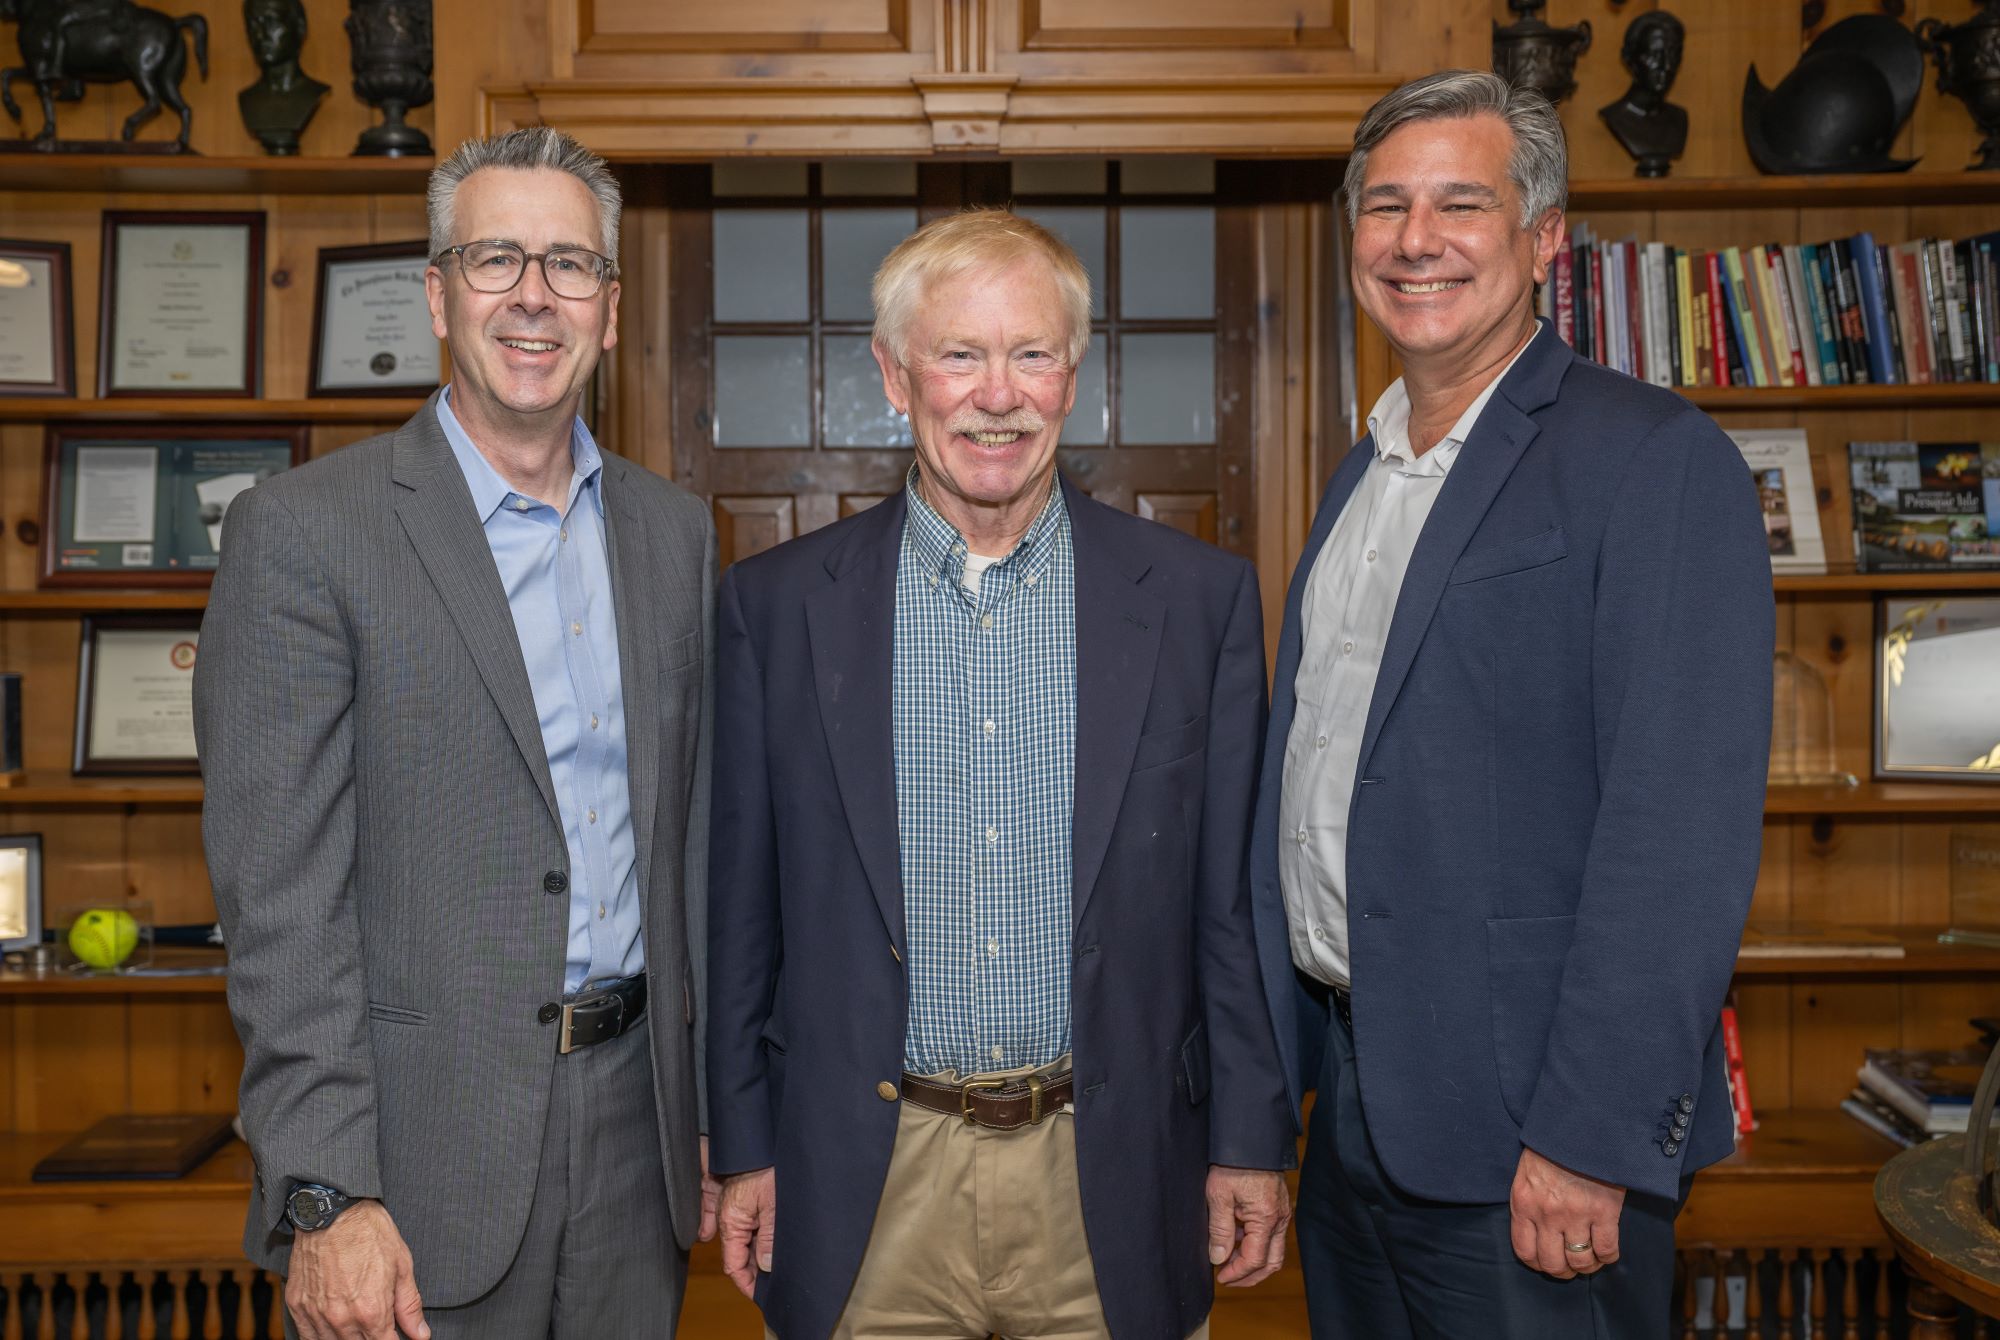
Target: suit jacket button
[887,1091]
[549,1013]
[555,882]
[1687,1102]
[1670,1148]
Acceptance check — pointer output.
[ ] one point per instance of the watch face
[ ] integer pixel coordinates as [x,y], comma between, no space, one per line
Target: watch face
[308,1208]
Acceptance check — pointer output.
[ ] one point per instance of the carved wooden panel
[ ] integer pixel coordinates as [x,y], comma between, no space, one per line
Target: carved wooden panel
[743,25]
[1190,512]
[851,503]
[1049,24]
[746,526]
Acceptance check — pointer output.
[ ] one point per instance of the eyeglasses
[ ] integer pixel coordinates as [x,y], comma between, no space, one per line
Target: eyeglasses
[496,267]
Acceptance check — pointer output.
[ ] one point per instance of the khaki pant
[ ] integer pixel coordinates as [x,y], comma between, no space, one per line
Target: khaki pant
[979,1233]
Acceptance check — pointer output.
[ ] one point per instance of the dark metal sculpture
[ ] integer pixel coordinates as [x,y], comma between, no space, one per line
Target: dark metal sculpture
[1968,66]
[1652,130]
[277,107]
[66,44]
[1530,53]
[391,42]
[1841,106]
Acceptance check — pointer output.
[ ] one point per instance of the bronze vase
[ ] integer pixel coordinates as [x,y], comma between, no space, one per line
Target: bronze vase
[391,48]
[1531,53]
[1968,65]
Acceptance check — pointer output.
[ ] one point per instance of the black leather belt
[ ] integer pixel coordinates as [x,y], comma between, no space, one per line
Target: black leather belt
[600,1013]
[1343,1005]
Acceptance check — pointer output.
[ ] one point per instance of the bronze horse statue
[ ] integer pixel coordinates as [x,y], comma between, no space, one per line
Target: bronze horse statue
[66,43]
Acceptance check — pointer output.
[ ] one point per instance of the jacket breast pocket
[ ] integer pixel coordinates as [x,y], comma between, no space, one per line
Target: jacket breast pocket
[1170,745]
[1524,967]
[1502,560]
[396,1014]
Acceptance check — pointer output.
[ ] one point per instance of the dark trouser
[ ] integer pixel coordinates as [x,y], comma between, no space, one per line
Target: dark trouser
[1384,1265]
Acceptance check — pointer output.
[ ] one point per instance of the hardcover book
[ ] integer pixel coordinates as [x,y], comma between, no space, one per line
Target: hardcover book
[1781,465]
[1932,1088]
[1925,506]
[138,1147]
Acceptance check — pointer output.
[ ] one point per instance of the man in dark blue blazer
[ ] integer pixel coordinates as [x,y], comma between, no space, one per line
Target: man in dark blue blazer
[989,1050]
[1510,811]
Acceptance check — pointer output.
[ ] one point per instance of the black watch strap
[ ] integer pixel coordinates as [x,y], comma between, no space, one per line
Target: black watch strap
[310,1207]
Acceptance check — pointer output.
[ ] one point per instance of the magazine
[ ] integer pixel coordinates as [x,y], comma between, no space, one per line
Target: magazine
[1925,506]
[1782,468]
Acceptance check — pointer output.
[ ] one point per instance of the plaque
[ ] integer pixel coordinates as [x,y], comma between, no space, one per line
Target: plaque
[135,694]
[36,322]
[143,505]
[1975,877]
[1937,700]
[179,304]
[20,891]
[372,323]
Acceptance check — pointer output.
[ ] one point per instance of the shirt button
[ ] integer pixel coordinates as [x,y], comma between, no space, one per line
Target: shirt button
[998,1054]
[1033,577]
[576,627]
[1347,649]
[1300,837]
[1320,743]
[600,911]
[886,1091]
[593,721]
[593,816]
[1371,555]
[520,504]
[993,947]
[1319,933]
[933,579]
[985,621]
[992,834]
[988,727]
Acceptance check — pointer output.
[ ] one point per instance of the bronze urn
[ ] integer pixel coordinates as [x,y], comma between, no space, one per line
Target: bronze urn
[391,51]
[1532,53]
[1968,64]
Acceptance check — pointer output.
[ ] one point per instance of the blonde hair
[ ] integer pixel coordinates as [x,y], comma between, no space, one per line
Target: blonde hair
[975,240]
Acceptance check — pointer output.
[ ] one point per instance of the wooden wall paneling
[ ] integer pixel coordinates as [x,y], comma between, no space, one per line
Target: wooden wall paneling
[1289,262]
[164,864]
[70,1062]
[21,449]
[1417,36]
[652,249]
[184,1055]
[296,228]
[1764,1019]
[1278,24]
[1192,513]
[746,526]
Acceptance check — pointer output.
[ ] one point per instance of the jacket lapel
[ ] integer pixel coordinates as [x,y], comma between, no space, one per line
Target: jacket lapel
[1485,461]
[852,627]
[1117,644]
[638,656]
[439,517]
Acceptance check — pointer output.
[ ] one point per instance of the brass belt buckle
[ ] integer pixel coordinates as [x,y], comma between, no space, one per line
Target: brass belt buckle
[1034,1100]
[965,1096]
[566,1046]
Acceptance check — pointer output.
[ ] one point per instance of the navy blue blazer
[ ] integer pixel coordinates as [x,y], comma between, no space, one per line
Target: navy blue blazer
[1559,804]
[1175,1058]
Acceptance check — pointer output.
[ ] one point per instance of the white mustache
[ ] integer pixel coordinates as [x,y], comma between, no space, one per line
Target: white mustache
[1020,421]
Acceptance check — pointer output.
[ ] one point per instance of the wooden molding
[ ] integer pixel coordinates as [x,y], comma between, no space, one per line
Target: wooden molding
[930,114]
[1038,34]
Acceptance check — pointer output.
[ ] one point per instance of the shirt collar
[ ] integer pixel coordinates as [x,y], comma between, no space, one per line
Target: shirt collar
[1389,423]
[490,489]
[942,549]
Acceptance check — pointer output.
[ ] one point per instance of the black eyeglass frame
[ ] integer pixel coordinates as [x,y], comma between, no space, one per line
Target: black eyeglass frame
[541,258]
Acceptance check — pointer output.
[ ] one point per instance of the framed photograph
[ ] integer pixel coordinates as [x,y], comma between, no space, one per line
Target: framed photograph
[20,891]
[372,323]
[1937,700]
[37,320]
[180,303]
[135,694]
[142,504]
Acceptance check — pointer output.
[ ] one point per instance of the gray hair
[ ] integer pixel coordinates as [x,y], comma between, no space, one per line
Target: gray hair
[529,147]
[1538,166]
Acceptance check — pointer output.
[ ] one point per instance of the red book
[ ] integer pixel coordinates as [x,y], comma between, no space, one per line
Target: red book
[1718,320]
[1597,305]
[1739,1079]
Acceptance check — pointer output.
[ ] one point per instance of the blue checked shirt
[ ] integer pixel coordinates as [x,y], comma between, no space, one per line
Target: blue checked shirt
[985,726]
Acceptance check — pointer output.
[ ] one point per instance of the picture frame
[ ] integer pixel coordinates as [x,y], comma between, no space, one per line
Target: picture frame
[372,323]
[37,319]
[135,695]
[131,504]
[1937,702]
[20,891]
[180,304]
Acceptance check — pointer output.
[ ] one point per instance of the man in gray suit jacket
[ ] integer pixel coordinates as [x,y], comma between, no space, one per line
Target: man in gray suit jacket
[453,709]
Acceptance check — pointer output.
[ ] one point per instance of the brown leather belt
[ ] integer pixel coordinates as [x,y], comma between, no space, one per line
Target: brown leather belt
[997,1104]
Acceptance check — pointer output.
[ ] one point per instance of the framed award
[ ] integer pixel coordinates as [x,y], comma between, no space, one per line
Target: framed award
[135,694]
[372,323]
[37,341]
[180,302]
[144,505]
[20,891]
[1937,699]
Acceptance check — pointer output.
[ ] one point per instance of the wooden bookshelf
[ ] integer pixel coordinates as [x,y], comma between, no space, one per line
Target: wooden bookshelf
[1800,1166]
[61,789]
[1884,798]
[1954,395]
[329,410]
[196,174]
[63,982]
[82,601]
[1922,955]
[1847,581]
[194,1219]
[1844,190]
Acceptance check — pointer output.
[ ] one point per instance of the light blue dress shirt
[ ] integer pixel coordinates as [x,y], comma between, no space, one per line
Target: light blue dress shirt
[556,569]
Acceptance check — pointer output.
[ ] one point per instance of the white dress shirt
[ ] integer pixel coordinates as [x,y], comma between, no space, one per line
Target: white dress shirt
[1345,613]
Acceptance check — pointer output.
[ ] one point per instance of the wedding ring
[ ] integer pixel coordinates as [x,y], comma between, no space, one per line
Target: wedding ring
[1576,1246]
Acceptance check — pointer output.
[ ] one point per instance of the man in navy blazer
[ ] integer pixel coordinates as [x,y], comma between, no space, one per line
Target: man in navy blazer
[988,1047]
[1510,811]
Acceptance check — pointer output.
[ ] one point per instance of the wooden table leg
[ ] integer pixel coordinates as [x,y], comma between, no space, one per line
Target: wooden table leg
[1933,1314]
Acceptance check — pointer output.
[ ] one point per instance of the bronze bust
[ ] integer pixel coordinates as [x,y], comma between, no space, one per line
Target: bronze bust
[277,107]
[1652,130]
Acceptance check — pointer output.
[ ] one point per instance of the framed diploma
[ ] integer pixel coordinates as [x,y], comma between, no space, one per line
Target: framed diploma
[372,322]
[179,304]
[1937,699]
[135,694]
[132,504]
[37,346]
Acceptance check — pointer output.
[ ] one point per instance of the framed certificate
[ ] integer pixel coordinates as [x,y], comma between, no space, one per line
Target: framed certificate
[20,891]
[37,344]
[135,694]
[372,322]
[179,304]
[131,504]
[1937,698]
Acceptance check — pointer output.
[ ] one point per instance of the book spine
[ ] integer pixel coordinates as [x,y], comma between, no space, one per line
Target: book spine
[1601,346]
[1904,298]
[1989,270]
[1730,369]
[1874,321]
[1798,314]
[1665,291]
[1704,337]
[1565,299]
[1953,259]
[1822,317]
[1742,326]
[1586,335]
[1974,277]
[1771,315]
[1876,1122]
[1684,319]
[1936,342]
[1739,1077]
[1854,359]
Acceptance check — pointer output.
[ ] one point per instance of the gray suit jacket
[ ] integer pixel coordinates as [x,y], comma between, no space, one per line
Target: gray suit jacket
[380,825]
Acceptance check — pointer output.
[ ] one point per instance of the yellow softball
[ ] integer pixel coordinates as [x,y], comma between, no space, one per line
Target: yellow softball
[104,937]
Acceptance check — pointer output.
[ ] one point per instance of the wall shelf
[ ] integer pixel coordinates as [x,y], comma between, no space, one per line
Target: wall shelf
[85,601]
[194,174]
[1845,191]
[99,985]
[372,410]
[1885,798]
[58,788]
[1955,395]
[1922,956]
[1839,582]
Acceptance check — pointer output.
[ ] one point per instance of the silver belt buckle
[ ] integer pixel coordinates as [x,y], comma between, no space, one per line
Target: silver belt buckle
[568,1039]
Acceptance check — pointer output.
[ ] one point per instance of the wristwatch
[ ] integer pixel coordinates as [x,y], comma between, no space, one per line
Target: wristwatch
[311,1207]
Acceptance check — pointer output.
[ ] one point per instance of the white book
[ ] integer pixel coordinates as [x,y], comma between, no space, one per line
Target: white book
[1802,318]
[1661,332]
[1781,466]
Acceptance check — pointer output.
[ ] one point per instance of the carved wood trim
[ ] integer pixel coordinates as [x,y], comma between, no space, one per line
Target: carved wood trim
[1035,36]
[929,115]
[587,37]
